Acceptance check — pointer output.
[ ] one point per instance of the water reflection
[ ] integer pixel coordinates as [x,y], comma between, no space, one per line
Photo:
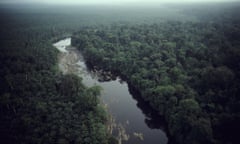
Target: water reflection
[154,124]
[152,118]
[134,120]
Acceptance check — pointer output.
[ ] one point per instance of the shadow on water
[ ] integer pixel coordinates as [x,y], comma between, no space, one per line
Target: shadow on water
[133,118]
[152,119]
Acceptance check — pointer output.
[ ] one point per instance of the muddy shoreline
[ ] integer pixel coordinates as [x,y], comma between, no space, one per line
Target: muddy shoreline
[130,119]
[68,63]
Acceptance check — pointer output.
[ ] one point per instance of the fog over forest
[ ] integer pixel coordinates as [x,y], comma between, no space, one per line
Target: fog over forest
[113,2]
[120,71]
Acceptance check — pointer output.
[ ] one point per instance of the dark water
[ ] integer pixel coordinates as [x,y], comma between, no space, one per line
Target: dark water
[127,108]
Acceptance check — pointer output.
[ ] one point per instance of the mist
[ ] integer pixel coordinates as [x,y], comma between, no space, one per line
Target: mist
[110,2]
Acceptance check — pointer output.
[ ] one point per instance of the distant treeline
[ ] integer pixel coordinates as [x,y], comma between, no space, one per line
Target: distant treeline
[188,71]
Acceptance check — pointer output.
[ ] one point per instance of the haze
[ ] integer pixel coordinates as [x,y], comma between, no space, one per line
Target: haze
[111,1]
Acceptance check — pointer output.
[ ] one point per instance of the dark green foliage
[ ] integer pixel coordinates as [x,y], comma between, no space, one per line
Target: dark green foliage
[187,71]
[37,103]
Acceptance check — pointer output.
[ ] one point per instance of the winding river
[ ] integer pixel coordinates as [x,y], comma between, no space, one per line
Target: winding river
[132,120]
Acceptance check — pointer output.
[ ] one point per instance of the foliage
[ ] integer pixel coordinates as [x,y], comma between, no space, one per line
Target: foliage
[187,71]
[37,103]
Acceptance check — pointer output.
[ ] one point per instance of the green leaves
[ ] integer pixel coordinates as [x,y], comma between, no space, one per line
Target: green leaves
[189,106]
[187,71]
[37,103]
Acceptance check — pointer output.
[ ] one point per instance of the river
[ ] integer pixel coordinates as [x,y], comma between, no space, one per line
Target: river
[132,120]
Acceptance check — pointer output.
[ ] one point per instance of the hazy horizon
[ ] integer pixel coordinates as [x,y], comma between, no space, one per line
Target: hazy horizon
[109,2]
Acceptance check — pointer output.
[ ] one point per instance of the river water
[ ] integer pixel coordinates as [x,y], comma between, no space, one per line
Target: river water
[132,120]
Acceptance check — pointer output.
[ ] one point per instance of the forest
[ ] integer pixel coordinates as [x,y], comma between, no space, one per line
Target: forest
[187,71]
[37,103]
[185,65]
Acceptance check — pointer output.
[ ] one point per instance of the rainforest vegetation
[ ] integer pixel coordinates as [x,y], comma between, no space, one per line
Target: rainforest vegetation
[185,64]
[37,103]
[187,71]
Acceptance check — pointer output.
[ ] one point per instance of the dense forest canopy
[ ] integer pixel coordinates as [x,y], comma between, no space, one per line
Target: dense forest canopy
[187,71]
[37,103]
[183,59]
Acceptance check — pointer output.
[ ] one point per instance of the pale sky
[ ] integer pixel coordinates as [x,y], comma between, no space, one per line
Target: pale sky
[107,1]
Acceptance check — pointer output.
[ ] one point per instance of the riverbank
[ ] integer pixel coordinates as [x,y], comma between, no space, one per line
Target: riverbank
[70,61]
[129,119]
